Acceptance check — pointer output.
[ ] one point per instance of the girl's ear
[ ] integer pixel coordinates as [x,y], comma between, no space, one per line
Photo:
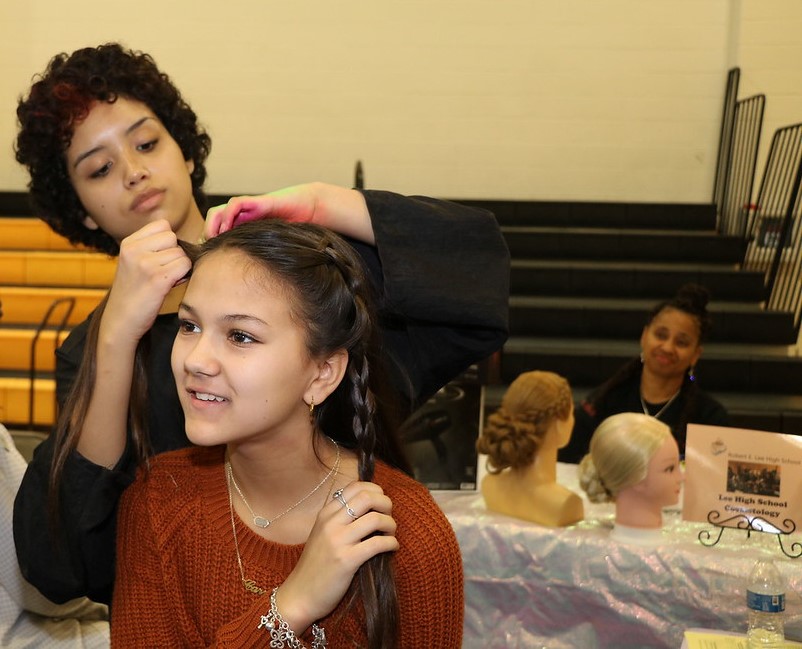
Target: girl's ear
[330,372]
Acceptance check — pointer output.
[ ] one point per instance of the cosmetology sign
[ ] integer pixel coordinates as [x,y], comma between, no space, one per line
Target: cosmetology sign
[743,478]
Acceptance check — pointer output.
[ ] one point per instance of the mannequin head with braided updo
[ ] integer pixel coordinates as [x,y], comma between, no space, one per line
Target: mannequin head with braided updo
[514,433]
[521,440]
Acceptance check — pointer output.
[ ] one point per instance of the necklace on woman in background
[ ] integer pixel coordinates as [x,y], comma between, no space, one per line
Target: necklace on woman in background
[662,410]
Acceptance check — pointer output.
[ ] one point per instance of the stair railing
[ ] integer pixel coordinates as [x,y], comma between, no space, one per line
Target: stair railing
[725,139]
[739,140]
[775,238]
[734,211]
[44,322]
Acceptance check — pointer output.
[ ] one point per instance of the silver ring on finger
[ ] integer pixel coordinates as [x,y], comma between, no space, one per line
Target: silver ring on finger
[338,495]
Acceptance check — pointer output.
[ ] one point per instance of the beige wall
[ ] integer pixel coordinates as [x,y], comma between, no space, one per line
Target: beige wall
[770,58]
[529,99]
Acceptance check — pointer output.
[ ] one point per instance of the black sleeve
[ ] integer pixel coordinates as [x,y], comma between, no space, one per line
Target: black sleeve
[442,270]
[442,273]
[585,423]
[73,556]
[709,412]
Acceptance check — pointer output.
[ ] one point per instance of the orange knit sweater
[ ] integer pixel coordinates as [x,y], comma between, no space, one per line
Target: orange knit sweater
[178,584]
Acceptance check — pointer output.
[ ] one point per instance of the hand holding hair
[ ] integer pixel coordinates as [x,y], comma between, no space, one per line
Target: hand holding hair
[340,542]
[150,264]
[340,209]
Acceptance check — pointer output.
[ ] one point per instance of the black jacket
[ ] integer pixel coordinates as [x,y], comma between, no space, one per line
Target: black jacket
[692,406]
[442,273]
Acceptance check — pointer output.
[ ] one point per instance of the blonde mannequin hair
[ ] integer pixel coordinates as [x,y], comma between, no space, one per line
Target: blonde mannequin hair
[620,450]
[513,434]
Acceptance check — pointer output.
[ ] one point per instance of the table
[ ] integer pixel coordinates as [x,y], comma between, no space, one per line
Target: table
[532,586]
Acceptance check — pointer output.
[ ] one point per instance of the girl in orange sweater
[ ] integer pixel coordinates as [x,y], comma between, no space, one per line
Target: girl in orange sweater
[293,524]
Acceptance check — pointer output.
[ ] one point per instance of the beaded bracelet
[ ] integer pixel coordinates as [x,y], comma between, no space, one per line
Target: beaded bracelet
[281,635]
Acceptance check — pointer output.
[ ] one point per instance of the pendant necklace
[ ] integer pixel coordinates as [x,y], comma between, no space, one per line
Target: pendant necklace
[261,521]
[662,410]
[249,584]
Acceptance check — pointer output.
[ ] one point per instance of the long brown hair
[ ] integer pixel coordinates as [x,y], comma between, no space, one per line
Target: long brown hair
[334,302]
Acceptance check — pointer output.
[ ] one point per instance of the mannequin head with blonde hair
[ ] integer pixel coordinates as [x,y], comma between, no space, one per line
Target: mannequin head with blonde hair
[633,461]
[521,440]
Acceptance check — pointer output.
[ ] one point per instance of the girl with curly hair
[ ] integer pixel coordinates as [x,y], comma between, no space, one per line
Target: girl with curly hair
[117,162]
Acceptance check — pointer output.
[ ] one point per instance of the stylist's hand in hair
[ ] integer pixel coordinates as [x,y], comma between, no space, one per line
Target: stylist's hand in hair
[340,209]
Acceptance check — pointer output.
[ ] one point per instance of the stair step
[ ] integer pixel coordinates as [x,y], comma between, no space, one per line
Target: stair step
[56,268]
[654,281]
[610,244]
[29,233]
[624,319]
[721,369]
[15,348]
[15,400]
[754,411]
[683,216]
[28,305]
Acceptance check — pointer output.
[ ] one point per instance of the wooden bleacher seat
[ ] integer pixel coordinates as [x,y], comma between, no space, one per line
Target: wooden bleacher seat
[27,233]
[15,400]
[38,267]
[26,305]
[56,268]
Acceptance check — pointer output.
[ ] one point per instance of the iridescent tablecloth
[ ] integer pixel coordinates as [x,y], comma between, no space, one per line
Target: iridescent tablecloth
[533,586]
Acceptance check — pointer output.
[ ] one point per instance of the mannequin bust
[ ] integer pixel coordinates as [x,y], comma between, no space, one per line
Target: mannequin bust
[633,461]
[521,440]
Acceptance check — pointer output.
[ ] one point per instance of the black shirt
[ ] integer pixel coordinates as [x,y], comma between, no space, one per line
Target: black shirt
[625,397]
[442,274]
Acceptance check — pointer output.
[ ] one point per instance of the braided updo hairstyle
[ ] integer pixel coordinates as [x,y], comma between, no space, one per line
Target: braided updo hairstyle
[513,434]
[620,451]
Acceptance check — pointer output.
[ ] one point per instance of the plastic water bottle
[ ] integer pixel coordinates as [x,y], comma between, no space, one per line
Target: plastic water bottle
[765,599]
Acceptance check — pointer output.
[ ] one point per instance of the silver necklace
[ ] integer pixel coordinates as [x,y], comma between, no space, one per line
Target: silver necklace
[662,410]
[261,521]
[249,584]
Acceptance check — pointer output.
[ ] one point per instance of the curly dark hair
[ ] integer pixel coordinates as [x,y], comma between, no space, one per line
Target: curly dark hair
[691,299]
[62,96]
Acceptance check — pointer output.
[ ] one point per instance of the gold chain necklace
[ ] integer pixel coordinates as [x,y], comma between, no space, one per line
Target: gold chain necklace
[261,521]
[662,410]
[249,584]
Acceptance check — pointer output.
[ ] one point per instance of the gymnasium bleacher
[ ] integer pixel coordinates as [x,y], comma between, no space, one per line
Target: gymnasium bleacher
[40,271]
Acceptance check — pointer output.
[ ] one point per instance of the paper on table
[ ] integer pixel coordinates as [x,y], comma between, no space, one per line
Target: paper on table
[699,639]
[735,476]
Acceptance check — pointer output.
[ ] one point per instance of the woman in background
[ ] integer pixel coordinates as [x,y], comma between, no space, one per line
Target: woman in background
[662,381]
